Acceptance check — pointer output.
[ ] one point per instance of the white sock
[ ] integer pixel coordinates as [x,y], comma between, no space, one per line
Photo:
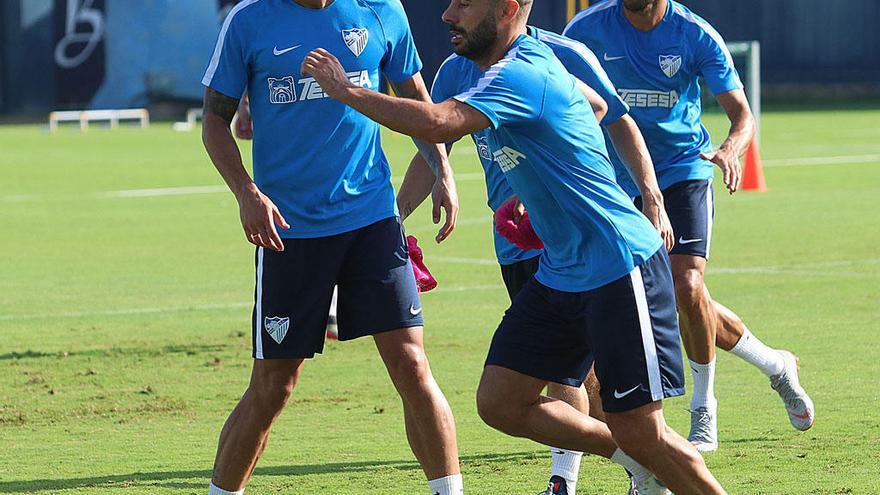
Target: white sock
[751,350]
[635,469]
[450,485]
[333,302]
[704,385]
[567,464]
[216,490]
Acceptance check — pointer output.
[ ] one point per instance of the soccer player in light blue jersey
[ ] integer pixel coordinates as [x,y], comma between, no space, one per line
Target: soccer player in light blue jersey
[603,285]
[519,265]
[321,211]
[656,52]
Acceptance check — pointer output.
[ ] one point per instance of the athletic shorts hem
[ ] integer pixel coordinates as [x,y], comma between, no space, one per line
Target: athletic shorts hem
[386,328]
[533,372]
[638,401]
[275,358]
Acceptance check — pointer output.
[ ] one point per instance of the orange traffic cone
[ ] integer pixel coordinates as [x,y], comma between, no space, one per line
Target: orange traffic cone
[753,174]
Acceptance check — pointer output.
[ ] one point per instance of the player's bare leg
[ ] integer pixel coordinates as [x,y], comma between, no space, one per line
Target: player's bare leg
[698,322]
[430,426]
[511,402]
[644,435]
[246,433]
[566,463]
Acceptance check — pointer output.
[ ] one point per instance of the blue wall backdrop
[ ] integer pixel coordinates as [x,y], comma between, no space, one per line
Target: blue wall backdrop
[803,41]
[57,54]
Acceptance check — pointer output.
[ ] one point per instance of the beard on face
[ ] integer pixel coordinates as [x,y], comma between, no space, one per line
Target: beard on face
[478,41]
[636,5]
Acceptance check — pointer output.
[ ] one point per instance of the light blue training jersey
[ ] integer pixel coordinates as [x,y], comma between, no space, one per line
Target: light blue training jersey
[581,63]
[657,74]
[319,160]
[548,144]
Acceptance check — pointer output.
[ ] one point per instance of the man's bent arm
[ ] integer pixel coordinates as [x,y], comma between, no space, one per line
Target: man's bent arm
[631,147]
[436,123]
[742,130]
[443,189]
[742,122]
[434,154]
[417,185]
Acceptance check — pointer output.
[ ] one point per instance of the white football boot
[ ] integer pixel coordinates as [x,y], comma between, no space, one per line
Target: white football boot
[797,403]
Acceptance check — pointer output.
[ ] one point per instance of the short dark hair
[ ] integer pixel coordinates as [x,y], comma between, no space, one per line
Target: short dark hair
[524,6]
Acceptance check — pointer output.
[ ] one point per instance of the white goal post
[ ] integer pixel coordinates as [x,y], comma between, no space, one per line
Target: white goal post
[84,117]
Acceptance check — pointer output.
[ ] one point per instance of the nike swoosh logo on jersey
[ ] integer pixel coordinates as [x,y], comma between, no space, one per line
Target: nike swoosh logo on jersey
[278,52]
[611,59]
[415,312]
[682,240]
[618,395]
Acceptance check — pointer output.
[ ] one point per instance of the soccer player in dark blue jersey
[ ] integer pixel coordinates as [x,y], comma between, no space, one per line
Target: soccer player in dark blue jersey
[603,285]
[321,211]
[656,52]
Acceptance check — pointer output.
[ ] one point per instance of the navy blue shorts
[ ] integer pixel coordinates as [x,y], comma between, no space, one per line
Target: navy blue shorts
[628,326]
[690,205]
[377,290]
[517,274]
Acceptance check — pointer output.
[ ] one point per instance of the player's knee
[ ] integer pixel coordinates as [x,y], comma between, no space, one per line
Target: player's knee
[492,408]
[272,390]
[689,287]
[410,368]
[637,439]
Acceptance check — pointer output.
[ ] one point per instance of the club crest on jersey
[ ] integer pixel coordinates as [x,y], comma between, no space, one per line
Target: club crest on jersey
[670,64]
[282,90]
[276,327]
[483,148]
[356,40]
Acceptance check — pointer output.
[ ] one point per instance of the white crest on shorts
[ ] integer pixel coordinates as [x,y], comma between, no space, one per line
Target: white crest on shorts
[670,64]
[356,39]
[276,327]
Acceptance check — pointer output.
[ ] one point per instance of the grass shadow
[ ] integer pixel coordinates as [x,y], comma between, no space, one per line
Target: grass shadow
[189,349]
[176,478]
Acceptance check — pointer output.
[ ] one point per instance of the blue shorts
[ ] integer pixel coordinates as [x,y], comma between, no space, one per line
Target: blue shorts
[690,205]
[377,290]
[517,274]
[628,326]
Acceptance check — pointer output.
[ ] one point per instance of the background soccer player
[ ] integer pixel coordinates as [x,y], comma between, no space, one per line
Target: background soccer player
[321,177]
[655,52]
[519,265]
[603,283]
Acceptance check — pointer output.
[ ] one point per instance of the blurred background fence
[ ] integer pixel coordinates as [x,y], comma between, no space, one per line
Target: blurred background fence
[76,54]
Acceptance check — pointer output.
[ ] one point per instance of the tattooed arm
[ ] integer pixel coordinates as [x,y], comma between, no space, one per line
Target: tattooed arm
[259,215]
[435,157]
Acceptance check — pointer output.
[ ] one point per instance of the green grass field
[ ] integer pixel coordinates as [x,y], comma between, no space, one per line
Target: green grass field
[125,334]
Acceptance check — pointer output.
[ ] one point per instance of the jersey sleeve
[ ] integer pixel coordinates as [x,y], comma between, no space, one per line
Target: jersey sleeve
[582,63]
[441,89]
[508,93]
[227,71]
[714,62]
[401,60]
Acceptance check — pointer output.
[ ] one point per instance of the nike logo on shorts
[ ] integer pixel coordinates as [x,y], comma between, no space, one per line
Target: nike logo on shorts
[682,240]
[415,312]
[619,395]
